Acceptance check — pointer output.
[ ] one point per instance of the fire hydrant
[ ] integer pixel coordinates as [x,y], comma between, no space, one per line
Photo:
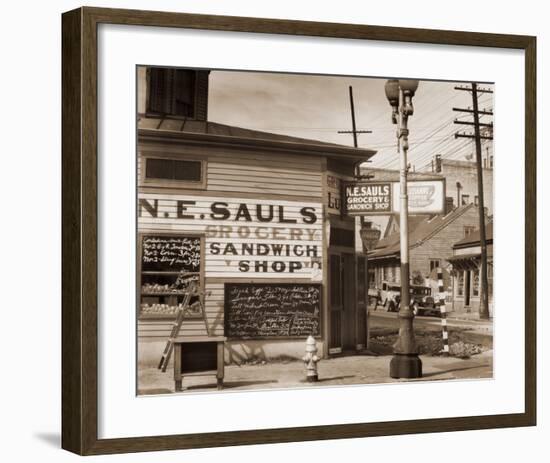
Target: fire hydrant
[311,359]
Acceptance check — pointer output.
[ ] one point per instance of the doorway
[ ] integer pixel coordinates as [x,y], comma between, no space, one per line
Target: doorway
[343,319]
[467,286]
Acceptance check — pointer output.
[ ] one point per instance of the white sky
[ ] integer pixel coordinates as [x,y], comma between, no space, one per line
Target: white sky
[316,107]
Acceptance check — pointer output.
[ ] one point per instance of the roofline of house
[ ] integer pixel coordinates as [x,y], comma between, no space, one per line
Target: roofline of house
[471,244]
[459,212]
[430,235]
[345,152]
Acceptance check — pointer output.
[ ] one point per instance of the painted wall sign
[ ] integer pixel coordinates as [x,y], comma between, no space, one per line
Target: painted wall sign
[382,198]
[334,192]
[244,237]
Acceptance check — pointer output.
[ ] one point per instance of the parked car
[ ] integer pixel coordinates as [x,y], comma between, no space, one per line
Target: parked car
[421,299]
[390,293]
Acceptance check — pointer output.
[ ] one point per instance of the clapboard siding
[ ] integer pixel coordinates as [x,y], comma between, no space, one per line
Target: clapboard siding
[160,329]
[251,173]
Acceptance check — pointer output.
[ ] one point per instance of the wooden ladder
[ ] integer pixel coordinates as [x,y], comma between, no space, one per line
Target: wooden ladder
[192,290]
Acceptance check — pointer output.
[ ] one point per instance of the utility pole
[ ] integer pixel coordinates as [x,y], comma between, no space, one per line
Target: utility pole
[363,222]
[354,130]
[484,305]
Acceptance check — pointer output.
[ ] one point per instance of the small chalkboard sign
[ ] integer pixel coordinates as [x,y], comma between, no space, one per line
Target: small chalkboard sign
[272,310]
[171,253]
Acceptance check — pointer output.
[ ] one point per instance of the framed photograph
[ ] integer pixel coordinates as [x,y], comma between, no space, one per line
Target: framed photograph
[280,231]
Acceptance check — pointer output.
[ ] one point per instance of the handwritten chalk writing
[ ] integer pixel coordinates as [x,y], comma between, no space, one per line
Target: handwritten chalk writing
[171,253]
[272,310]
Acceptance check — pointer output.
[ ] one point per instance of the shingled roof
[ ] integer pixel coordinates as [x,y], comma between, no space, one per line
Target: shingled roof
[423,231]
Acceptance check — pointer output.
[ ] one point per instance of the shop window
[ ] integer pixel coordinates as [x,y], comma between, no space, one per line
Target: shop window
[171,92]
[371,277]
[170,264]
[460,283]
[174,172]
[475,283]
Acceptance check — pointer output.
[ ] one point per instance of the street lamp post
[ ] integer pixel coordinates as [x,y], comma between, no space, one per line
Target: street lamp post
[405,362]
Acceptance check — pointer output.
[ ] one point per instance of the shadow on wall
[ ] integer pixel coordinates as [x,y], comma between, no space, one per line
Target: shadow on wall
[237,353]
[242,353]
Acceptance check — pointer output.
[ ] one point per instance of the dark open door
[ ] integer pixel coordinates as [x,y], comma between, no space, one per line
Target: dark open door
[467,289]
[336,303]
[362,301]
[343,313]
[349,313]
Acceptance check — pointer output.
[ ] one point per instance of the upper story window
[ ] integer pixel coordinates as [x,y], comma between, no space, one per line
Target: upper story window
[172,172]
[171,92]
[468,230]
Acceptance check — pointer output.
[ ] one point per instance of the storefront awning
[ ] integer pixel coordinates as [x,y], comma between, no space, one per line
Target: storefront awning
[465,261]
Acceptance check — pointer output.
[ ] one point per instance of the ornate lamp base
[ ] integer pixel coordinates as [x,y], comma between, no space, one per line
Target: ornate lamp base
[406,366]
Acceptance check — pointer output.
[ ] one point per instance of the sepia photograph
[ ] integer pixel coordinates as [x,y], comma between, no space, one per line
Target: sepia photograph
[301,230]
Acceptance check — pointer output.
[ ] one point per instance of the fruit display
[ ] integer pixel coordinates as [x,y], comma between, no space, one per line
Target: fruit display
[165,309]
[178,287]
[156,288]
[160,309]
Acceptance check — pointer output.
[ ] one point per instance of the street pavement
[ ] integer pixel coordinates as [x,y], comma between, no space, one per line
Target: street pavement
[344,370]
[381,318]
[474,331]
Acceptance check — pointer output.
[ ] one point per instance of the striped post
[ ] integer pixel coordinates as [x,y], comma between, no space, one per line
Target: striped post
[442,297]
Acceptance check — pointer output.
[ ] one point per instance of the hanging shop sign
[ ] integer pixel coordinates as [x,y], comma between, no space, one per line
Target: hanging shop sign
[369,237]
[382,198]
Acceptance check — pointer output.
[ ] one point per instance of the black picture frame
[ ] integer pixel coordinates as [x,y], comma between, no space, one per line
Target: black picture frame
[80,244]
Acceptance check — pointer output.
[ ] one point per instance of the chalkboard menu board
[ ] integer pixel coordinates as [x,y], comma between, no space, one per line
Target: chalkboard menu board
[272,310]
[171,253]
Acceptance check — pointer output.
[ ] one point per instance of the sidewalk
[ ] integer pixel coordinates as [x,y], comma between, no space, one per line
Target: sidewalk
[355,369]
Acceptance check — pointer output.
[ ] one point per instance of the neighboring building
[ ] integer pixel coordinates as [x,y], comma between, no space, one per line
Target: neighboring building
[461,181]
[466,265]
[252,216]
[392,175]
[430,243]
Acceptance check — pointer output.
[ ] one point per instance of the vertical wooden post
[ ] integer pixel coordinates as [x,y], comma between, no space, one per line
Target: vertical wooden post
[484,302]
